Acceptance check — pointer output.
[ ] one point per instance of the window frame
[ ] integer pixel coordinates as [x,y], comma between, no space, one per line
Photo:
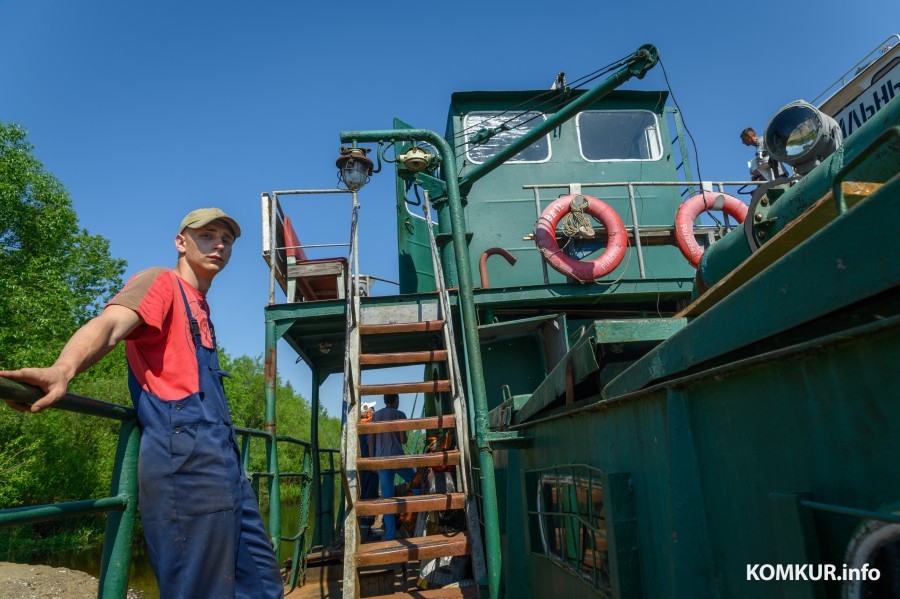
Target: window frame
[659,142]
[469,145]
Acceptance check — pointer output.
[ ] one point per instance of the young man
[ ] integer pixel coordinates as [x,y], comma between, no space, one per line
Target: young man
[201,519]
[388,444]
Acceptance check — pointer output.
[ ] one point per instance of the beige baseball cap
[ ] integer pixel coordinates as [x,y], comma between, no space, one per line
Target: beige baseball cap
[204,216]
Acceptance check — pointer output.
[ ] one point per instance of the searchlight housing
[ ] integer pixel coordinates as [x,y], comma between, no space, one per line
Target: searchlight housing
[802,136]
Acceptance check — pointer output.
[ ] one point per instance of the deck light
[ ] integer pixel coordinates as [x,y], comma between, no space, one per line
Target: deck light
[354,168]
[802,136]
[415,159]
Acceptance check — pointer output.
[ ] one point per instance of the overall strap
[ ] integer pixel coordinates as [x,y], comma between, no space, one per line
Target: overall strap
[195,326]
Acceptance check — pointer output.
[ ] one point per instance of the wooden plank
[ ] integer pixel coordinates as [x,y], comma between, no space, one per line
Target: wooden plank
[438,458]
[315,269]
[409,424]
[793,234]
[412,549]
[402,327]
[413,357]
[454,593]
[436,386]
[411,504]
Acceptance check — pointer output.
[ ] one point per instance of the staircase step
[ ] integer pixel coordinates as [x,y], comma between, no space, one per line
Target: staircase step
[413,357]
[402,327]
[435,386]
[412,549]
[411,504]
[409,424]
[438,458]
[453,593]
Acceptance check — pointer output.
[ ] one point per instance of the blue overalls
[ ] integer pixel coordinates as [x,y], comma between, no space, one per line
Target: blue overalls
[204,532]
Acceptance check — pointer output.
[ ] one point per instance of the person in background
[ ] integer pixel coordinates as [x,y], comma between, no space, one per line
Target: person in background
[201,520]
[389,444]
[763,167]
[368,480]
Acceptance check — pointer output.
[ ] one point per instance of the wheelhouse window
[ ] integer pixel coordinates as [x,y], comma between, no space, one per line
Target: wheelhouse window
[568,507]
[617,135]
[514,125]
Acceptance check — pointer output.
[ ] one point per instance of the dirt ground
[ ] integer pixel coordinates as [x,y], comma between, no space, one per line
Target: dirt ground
[24,581]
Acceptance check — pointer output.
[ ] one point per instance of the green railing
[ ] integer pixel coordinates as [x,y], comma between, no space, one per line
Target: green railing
[121,505]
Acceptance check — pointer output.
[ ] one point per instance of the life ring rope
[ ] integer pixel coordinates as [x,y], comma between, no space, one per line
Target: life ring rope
[582,271]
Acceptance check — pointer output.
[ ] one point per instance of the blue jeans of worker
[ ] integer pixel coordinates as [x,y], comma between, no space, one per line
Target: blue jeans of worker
[386,481]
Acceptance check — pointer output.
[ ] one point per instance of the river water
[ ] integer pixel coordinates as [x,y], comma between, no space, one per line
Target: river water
[141,576]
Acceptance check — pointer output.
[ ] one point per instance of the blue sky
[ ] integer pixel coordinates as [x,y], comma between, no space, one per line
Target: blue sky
[146,110]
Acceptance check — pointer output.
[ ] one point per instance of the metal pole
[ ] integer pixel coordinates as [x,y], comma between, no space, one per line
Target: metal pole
[637,230]
[116,563]
[470,331]
[318,537]
[271,370]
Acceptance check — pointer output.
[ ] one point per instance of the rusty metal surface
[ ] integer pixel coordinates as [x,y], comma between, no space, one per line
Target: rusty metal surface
[482,263]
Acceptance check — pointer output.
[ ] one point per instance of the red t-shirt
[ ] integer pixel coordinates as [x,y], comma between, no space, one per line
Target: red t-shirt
[161,351]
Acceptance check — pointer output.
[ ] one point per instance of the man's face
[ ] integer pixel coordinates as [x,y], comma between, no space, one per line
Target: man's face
[749,139]
[208,248]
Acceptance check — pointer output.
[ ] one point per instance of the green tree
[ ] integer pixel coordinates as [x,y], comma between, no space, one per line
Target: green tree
[54,275]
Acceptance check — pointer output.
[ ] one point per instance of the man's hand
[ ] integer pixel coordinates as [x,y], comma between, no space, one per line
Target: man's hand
[89,343]
[52,380]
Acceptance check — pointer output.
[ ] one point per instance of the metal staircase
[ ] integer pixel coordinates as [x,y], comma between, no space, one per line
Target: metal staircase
[393,328]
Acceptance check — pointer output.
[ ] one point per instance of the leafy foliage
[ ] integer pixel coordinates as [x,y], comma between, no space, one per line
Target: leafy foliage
[53,275]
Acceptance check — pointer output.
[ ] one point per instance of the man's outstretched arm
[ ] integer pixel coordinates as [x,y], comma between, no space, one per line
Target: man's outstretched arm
[89,343]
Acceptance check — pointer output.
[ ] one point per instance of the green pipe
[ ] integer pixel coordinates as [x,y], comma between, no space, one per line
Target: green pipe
[27,395]
[271,444]
[638,64]
[116,563]
[729,252]
[318,538]
[470,331]
[60,511]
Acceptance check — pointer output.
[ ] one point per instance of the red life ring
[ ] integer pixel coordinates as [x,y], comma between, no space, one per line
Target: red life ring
[691,209]
[605,263]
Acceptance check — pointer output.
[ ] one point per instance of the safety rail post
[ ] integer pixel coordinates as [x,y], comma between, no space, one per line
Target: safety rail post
[271,447]
[116,562]
[120,507]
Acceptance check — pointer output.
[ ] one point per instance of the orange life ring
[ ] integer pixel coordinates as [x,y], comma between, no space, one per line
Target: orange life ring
[605,263]
[691,209]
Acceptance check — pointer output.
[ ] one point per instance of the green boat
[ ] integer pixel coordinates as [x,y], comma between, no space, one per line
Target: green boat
[688,395]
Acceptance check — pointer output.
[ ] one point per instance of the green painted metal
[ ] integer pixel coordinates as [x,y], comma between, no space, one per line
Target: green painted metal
[726,254]
[682,147]
[470,332]
[584,361]
[116,561]
[316,463]
[798,543]
[864,259]
[271,445]
[638,64]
